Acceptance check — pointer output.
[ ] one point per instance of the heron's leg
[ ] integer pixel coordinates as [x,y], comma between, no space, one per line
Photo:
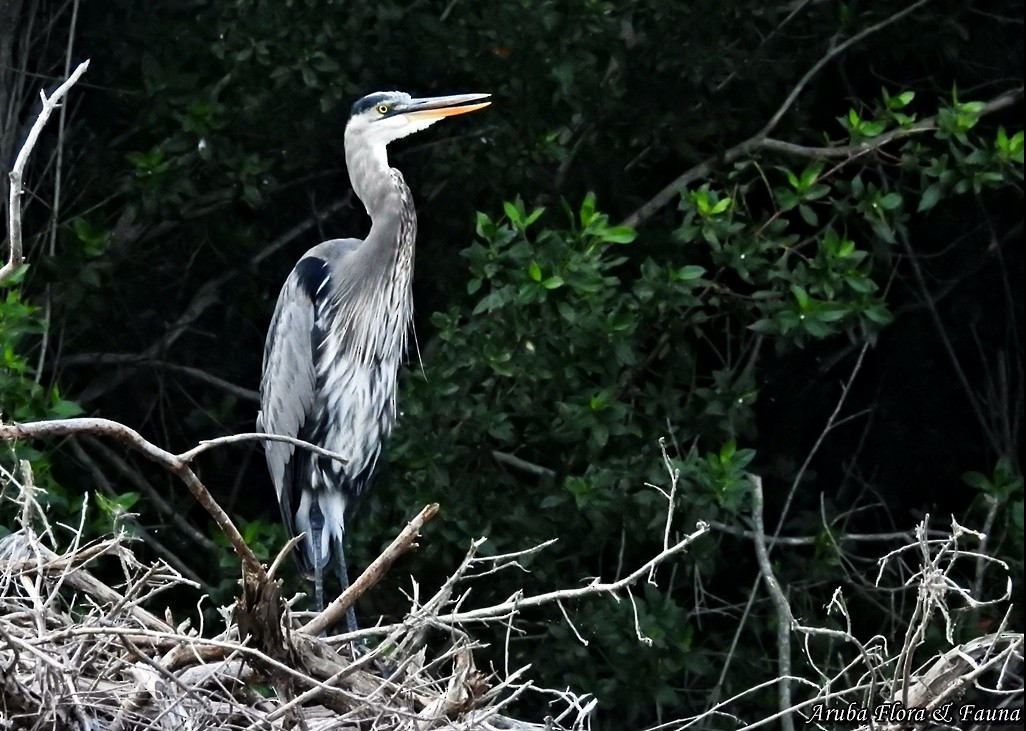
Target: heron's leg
[343,577]
[316,527]
[318,583]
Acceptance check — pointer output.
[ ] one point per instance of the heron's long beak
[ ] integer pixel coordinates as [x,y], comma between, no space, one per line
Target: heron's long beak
[437,107]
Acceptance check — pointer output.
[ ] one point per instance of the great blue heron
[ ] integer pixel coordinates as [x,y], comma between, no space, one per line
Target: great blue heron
[338,335]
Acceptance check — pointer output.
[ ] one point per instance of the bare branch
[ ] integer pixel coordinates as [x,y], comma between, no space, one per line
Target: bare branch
[208,444]
[171,462]
[16,257]
[596,587]
[831,421]
[942,333]
[517,463]
[780,605]
[336,611]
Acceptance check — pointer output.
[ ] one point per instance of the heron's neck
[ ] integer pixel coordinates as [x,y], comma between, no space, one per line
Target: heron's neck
[389,203]
[377,188]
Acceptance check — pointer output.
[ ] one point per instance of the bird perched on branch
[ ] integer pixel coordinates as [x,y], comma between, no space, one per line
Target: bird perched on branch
[338,335]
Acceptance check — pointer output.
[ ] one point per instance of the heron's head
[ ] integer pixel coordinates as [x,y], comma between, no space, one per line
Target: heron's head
[385,116]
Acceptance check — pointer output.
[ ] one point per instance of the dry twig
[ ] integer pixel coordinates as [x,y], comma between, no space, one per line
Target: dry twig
[50,103]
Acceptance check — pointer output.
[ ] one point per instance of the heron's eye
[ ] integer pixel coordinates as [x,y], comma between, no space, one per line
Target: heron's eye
[382,109]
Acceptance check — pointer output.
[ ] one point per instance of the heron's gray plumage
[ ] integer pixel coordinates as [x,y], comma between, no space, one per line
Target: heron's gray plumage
[338,336]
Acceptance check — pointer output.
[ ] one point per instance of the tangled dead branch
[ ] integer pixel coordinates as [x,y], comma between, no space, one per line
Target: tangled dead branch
[77,653]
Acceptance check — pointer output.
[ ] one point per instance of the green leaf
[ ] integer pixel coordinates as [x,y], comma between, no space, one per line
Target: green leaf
[689,272]
[930,198]
[808,215]
[553,282]
[811,174]
[815,192]
[860,284]
[587,213]
[800,295]
[566,311]
[484,226]
[552,501]
[65,409]
[765,326]
[105,504]
[816,327]
[977,480]
[879,314]
[512,214]
[619,234]
[534,216]
[535,272]
[900,101]
[831,315]
[890,201]
[872,129]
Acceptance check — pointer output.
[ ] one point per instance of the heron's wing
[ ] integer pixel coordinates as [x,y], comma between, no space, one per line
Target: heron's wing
[287,387]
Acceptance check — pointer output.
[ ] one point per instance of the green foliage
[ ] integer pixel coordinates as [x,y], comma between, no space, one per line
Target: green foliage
[1001,493]
[578,351]
[585,405]
[24,398]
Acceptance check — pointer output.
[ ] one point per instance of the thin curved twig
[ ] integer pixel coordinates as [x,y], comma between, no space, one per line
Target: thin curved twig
[208,444]
[16,256]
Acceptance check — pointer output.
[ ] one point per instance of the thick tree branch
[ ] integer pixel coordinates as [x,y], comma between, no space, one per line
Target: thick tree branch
[927,124]
[178,464]
[174,463]
[16,257]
